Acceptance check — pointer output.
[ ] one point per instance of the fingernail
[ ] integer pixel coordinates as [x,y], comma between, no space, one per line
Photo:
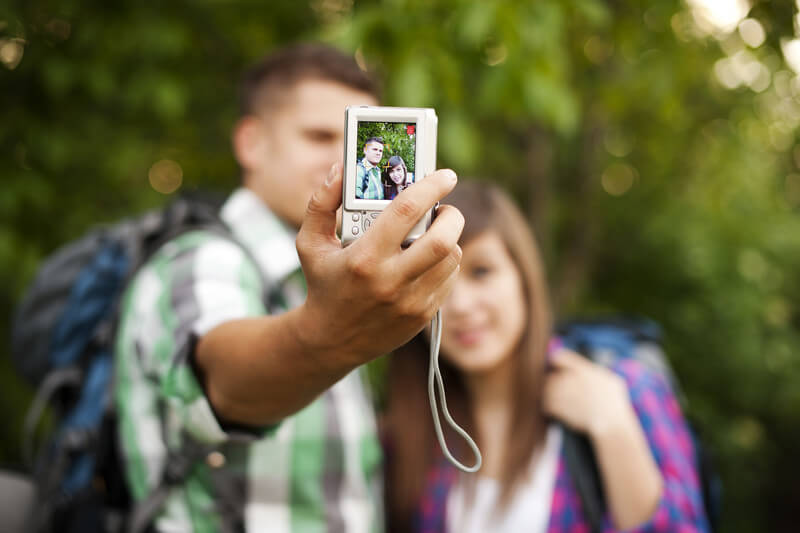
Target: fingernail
[451,175]
[331,175]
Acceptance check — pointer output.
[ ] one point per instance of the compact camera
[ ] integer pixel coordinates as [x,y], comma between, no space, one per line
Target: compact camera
[386,150]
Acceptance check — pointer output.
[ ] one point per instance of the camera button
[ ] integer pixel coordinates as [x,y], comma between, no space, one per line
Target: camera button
[367,223]
[356,217]
[355,230]
[374,215]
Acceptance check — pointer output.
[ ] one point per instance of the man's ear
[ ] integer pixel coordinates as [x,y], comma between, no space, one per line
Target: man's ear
[249,141]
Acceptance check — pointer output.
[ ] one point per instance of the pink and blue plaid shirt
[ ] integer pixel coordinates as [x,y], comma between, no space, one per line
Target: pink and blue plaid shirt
[681,507]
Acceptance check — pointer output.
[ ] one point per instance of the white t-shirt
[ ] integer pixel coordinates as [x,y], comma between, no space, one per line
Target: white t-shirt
[529,508]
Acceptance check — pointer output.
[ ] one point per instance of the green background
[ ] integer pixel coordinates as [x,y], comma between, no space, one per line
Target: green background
[395,138]
[657,160]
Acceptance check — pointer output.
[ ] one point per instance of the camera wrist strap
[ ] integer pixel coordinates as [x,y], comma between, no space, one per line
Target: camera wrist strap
[435,374]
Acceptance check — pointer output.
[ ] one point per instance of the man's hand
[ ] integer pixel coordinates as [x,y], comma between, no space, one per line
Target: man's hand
[363,301]
[369,298]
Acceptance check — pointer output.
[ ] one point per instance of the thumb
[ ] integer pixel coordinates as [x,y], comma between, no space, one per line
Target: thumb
[320,218]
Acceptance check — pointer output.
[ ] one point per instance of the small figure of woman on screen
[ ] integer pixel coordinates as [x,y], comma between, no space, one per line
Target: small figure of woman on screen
[395,177]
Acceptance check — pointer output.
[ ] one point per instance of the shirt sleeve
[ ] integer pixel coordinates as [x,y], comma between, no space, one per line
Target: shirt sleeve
[360,171]
[680,509]
[197,284]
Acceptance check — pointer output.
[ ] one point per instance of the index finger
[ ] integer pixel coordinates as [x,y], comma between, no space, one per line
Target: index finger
[393,225]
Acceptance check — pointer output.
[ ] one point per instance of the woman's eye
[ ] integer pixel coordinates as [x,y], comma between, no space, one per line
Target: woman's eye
[481,271]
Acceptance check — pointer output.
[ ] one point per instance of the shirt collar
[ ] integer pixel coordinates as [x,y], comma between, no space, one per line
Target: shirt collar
[268,239]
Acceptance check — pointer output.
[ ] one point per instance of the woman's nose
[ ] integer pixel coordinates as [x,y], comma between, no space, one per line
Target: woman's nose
[459,301]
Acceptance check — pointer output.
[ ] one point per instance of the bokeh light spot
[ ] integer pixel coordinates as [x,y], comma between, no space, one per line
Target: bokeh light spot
[617,143]
[791,52]
[597,50]
[752,32]
[166,176]
[743,68]
[496,55]
[747,432]
[713,16]
[618,179]
[11,51]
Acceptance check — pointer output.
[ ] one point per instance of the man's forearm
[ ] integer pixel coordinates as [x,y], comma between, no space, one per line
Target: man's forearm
[257,371]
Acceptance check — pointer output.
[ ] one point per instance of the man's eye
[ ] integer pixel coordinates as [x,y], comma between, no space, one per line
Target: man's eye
[319,136]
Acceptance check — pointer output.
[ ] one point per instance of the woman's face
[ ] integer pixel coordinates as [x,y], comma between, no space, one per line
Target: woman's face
[485,315]
[397,174]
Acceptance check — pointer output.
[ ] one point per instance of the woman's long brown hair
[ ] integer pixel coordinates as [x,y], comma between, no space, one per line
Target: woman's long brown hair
[411,444]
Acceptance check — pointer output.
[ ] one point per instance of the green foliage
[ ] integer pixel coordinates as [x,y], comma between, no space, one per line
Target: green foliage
[653,188]
[396,141]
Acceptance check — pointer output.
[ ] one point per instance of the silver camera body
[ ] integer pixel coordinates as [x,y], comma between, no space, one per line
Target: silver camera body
[368,186]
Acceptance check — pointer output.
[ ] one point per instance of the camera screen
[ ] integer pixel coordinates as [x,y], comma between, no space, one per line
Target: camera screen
[385,155]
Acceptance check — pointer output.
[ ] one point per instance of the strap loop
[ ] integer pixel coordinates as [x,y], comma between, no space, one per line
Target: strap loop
[435,374]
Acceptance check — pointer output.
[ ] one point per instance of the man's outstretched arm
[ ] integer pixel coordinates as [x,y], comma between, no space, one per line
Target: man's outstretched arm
[257,371]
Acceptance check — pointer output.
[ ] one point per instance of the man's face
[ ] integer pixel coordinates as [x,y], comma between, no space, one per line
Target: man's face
[286,152]
[373,151]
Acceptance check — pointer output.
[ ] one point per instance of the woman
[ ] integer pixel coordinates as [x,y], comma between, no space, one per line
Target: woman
[507,393]
[394,177]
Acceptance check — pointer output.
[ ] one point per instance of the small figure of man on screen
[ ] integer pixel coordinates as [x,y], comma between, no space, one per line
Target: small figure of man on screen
[368,172]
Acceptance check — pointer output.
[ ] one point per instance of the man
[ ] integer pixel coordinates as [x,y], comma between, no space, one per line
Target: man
[368,172]
[264,386]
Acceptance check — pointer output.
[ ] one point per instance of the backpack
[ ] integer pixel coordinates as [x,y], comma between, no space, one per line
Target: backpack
[62,342]
[606,342]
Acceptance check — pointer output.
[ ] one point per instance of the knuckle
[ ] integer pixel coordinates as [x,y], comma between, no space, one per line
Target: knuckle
[384,293]
[430,312]
[412,310]
[361,265]
[440,248]
[406,209]
[425,311]
[406,310]
[314,205]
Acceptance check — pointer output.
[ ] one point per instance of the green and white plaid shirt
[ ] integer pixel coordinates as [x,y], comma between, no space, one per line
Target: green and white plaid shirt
[368,181]
[317,471]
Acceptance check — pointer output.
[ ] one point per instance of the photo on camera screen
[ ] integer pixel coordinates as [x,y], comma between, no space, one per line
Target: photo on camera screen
[385,155]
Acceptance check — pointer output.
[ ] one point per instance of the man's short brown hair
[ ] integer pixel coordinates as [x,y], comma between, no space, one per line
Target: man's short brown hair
[264,84]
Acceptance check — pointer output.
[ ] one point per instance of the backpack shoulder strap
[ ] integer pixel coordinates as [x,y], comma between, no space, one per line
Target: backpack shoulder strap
[582,467]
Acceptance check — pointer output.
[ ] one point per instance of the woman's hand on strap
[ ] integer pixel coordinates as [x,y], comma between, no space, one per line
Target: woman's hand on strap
[585,396]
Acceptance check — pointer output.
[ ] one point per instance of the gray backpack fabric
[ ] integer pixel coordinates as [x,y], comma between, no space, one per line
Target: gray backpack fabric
[62,342]
[17,498]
